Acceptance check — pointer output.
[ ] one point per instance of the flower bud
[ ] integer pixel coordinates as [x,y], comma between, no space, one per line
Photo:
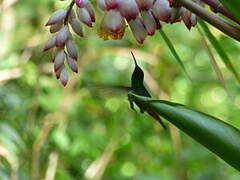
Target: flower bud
[159,26]
[72,49]
[144,4]
[176,14]
[64,77]
[113,21]
[129,9]
[59,59]
[72,64]
[56,27]
[57,16]
[112,4]
[102,4]
[149,22]
[189,19]
[162,10]
[91,12]
[76,26]
[84,16]
[50,43]
[81,3]
[55,51]
[58,71]
[62,36]
[138,29]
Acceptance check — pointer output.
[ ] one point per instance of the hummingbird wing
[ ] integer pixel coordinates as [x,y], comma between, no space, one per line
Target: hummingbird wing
[107,86]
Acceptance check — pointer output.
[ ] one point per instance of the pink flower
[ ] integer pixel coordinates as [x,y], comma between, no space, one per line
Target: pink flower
[113,21]
[84,16]
[56,27]
[72,64]
[189,19]
[162,10]
[72,49]
[149,22]
[58,71]
[138,29]
[59,59]
[64,77]
[91,11]
[50,43]
[81,3]
[144,4]
[129,9]
[112,4]
[62,36]
[102,4]
[57,16]
[77,27]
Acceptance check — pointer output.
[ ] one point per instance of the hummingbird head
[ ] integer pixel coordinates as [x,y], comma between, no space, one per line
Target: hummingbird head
[138,75]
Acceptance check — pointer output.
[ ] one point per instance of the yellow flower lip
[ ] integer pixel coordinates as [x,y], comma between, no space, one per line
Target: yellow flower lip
[105,34]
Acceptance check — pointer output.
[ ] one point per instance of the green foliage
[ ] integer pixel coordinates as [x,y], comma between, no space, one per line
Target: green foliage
[218,136]
[172,49]
[232,6]
[219,49]
[68,131]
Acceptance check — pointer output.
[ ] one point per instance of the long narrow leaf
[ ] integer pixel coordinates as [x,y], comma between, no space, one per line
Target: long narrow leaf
[233,6]
[173,51]
[217,136]
[212,59]
[219,49]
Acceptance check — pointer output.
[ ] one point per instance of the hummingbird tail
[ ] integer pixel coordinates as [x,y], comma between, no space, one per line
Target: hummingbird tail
[157,117]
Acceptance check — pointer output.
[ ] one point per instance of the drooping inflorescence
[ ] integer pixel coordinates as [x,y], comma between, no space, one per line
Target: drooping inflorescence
[142,16]
[61,23]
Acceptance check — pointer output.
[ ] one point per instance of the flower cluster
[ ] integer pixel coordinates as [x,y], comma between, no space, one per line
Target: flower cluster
[142,16]
[65,48]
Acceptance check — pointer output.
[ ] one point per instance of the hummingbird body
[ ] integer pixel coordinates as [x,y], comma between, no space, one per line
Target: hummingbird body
[137,85]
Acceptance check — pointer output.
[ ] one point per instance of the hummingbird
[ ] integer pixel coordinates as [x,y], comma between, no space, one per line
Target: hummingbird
[137,87]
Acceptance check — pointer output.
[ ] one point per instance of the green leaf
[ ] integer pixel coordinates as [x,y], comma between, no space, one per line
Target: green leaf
[173,51]
[219,137]
[233,6]
[219,49]
[212,59]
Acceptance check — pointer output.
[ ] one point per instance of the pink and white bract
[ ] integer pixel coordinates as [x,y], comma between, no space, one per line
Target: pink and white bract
[143,18]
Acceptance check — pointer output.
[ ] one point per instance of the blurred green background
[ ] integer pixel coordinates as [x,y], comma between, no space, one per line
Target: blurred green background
[82,132]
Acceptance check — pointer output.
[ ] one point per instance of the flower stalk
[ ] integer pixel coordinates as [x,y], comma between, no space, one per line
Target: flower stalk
[217,7]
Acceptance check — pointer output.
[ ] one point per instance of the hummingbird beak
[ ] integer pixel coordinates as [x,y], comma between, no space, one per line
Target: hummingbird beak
[135,61]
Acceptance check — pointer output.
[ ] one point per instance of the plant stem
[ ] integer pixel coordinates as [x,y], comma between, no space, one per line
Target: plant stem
[211,18]
[69,11]
[217,7]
